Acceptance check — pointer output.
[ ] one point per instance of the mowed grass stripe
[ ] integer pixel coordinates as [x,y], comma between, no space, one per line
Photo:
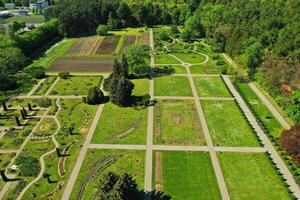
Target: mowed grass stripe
[211,87]
[189,176]
[251,176]
[227,125]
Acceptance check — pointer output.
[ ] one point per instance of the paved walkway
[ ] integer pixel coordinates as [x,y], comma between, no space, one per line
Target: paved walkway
[7,151]
[294,187]
[117,146]
[36,86]
[268,104]
[52,86]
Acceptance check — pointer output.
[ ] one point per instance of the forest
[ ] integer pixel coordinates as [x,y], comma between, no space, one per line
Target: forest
[261,36]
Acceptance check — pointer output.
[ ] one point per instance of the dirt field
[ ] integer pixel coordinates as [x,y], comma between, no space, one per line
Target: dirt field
[90,48]
[144,38]
[108,45]
[78,46]
[158,174]
[129,39]
[82,65]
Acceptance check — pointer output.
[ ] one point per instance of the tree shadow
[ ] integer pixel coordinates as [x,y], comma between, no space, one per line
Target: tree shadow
[156,195]
[6,179]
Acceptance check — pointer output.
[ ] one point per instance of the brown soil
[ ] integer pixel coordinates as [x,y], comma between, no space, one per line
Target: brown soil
[129,39]
[108,45]
[158,174]
[145,38]
[90,48]
[77,47]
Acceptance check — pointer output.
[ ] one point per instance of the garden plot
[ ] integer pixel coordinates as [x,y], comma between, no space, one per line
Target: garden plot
[76,85]
[177,69]
[46,128]
[190,57]
[129,40]
[172,86]
[121,126]
[252,176]
[99,162]
[227,124]
[144,38]
[208,86]
[208,68]
[177,123]
[79,46]
[45,86]
[108,45]
[141,86]
[82,64]
[185,175]
[164,58]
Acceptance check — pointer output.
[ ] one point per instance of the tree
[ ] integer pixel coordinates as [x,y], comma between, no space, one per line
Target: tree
[193,29]
[121,90]
[290,141]
[113,22]
[28,165]
[137,55]
[124,13]
[102,29]
[15,26]
[95,96]
[118,187]
[37,72]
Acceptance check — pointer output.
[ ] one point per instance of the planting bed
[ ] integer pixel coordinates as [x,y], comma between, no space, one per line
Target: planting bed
[177,123]
[227,125]
[121,126]
[108,45]
[211,87]
[129,40]
[172,86]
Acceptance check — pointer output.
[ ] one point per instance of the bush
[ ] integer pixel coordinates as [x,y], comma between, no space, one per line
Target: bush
[102,29]
[28,165]
[64,75]
[44,102]
[141,100]
[95,96]
[37,72]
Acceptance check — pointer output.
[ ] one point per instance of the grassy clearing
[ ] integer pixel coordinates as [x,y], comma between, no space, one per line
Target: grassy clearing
[228,126]
[36,19]
[131,162]
[211,87]
[76,85]
[121,126]
[207,68]
[53,53]
[188,175]
[177,69]
[45,86]
[252,176]
[164,58]
[190,57]
[261,111]
[177,123]
[172,86]
[141,86]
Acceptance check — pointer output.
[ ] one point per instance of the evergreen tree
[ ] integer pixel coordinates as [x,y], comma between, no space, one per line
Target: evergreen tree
[124,66]
[121,91]
[95,96]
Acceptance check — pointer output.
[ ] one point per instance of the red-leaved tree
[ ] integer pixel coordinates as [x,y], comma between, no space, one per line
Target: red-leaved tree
[290,141]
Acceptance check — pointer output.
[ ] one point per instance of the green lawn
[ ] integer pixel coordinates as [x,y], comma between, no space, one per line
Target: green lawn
[188,175]
[190,57]
[227,125]
[177,69]
[131,162]
[207,68]
[45,86]
[172,86]
[76,85]
[141,86]
[36,19]
[252,176]
[262,112]
[177,123]
[165,58]
[47,127]
[211,87]
[121,126]
[53,53]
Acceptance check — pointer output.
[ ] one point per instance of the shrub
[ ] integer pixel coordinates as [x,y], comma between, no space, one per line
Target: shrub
[64,75]
[44,102]
[37,72]
[95,96]
[28,165]
[102,29]
[290,141]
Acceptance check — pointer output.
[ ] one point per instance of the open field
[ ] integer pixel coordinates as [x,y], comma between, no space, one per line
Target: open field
[127,161]
[177,69]
[141,86]
[76,85]
[172,86]
[164,58]
[108,45]
[190,57]
[82,64]
[186,175]
[227,125]
[207,68]
[252,176]
[177,123]
[211,87]
[121,126]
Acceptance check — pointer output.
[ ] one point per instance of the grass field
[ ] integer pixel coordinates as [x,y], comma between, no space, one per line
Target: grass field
[190,57]
[211,87]
[164,58]
[188,175]
[121,126]
[227,125]
[76,85]
[141,86]
[252,176]
[131,162]
[262,112]
[177,69]
[207,68]
[46,128]
[36,19]
[45,86]
[177,123]
[172,86]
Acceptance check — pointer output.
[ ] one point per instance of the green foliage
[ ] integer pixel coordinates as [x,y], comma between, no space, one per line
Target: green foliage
[44,102]
[95,96]
[137,55]
[28,165]
[193,29]
[102,29]
[64,75]
[121,90]
[37,72]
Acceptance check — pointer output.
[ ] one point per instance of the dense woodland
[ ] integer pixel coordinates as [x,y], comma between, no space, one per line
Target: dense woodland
[261,36]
